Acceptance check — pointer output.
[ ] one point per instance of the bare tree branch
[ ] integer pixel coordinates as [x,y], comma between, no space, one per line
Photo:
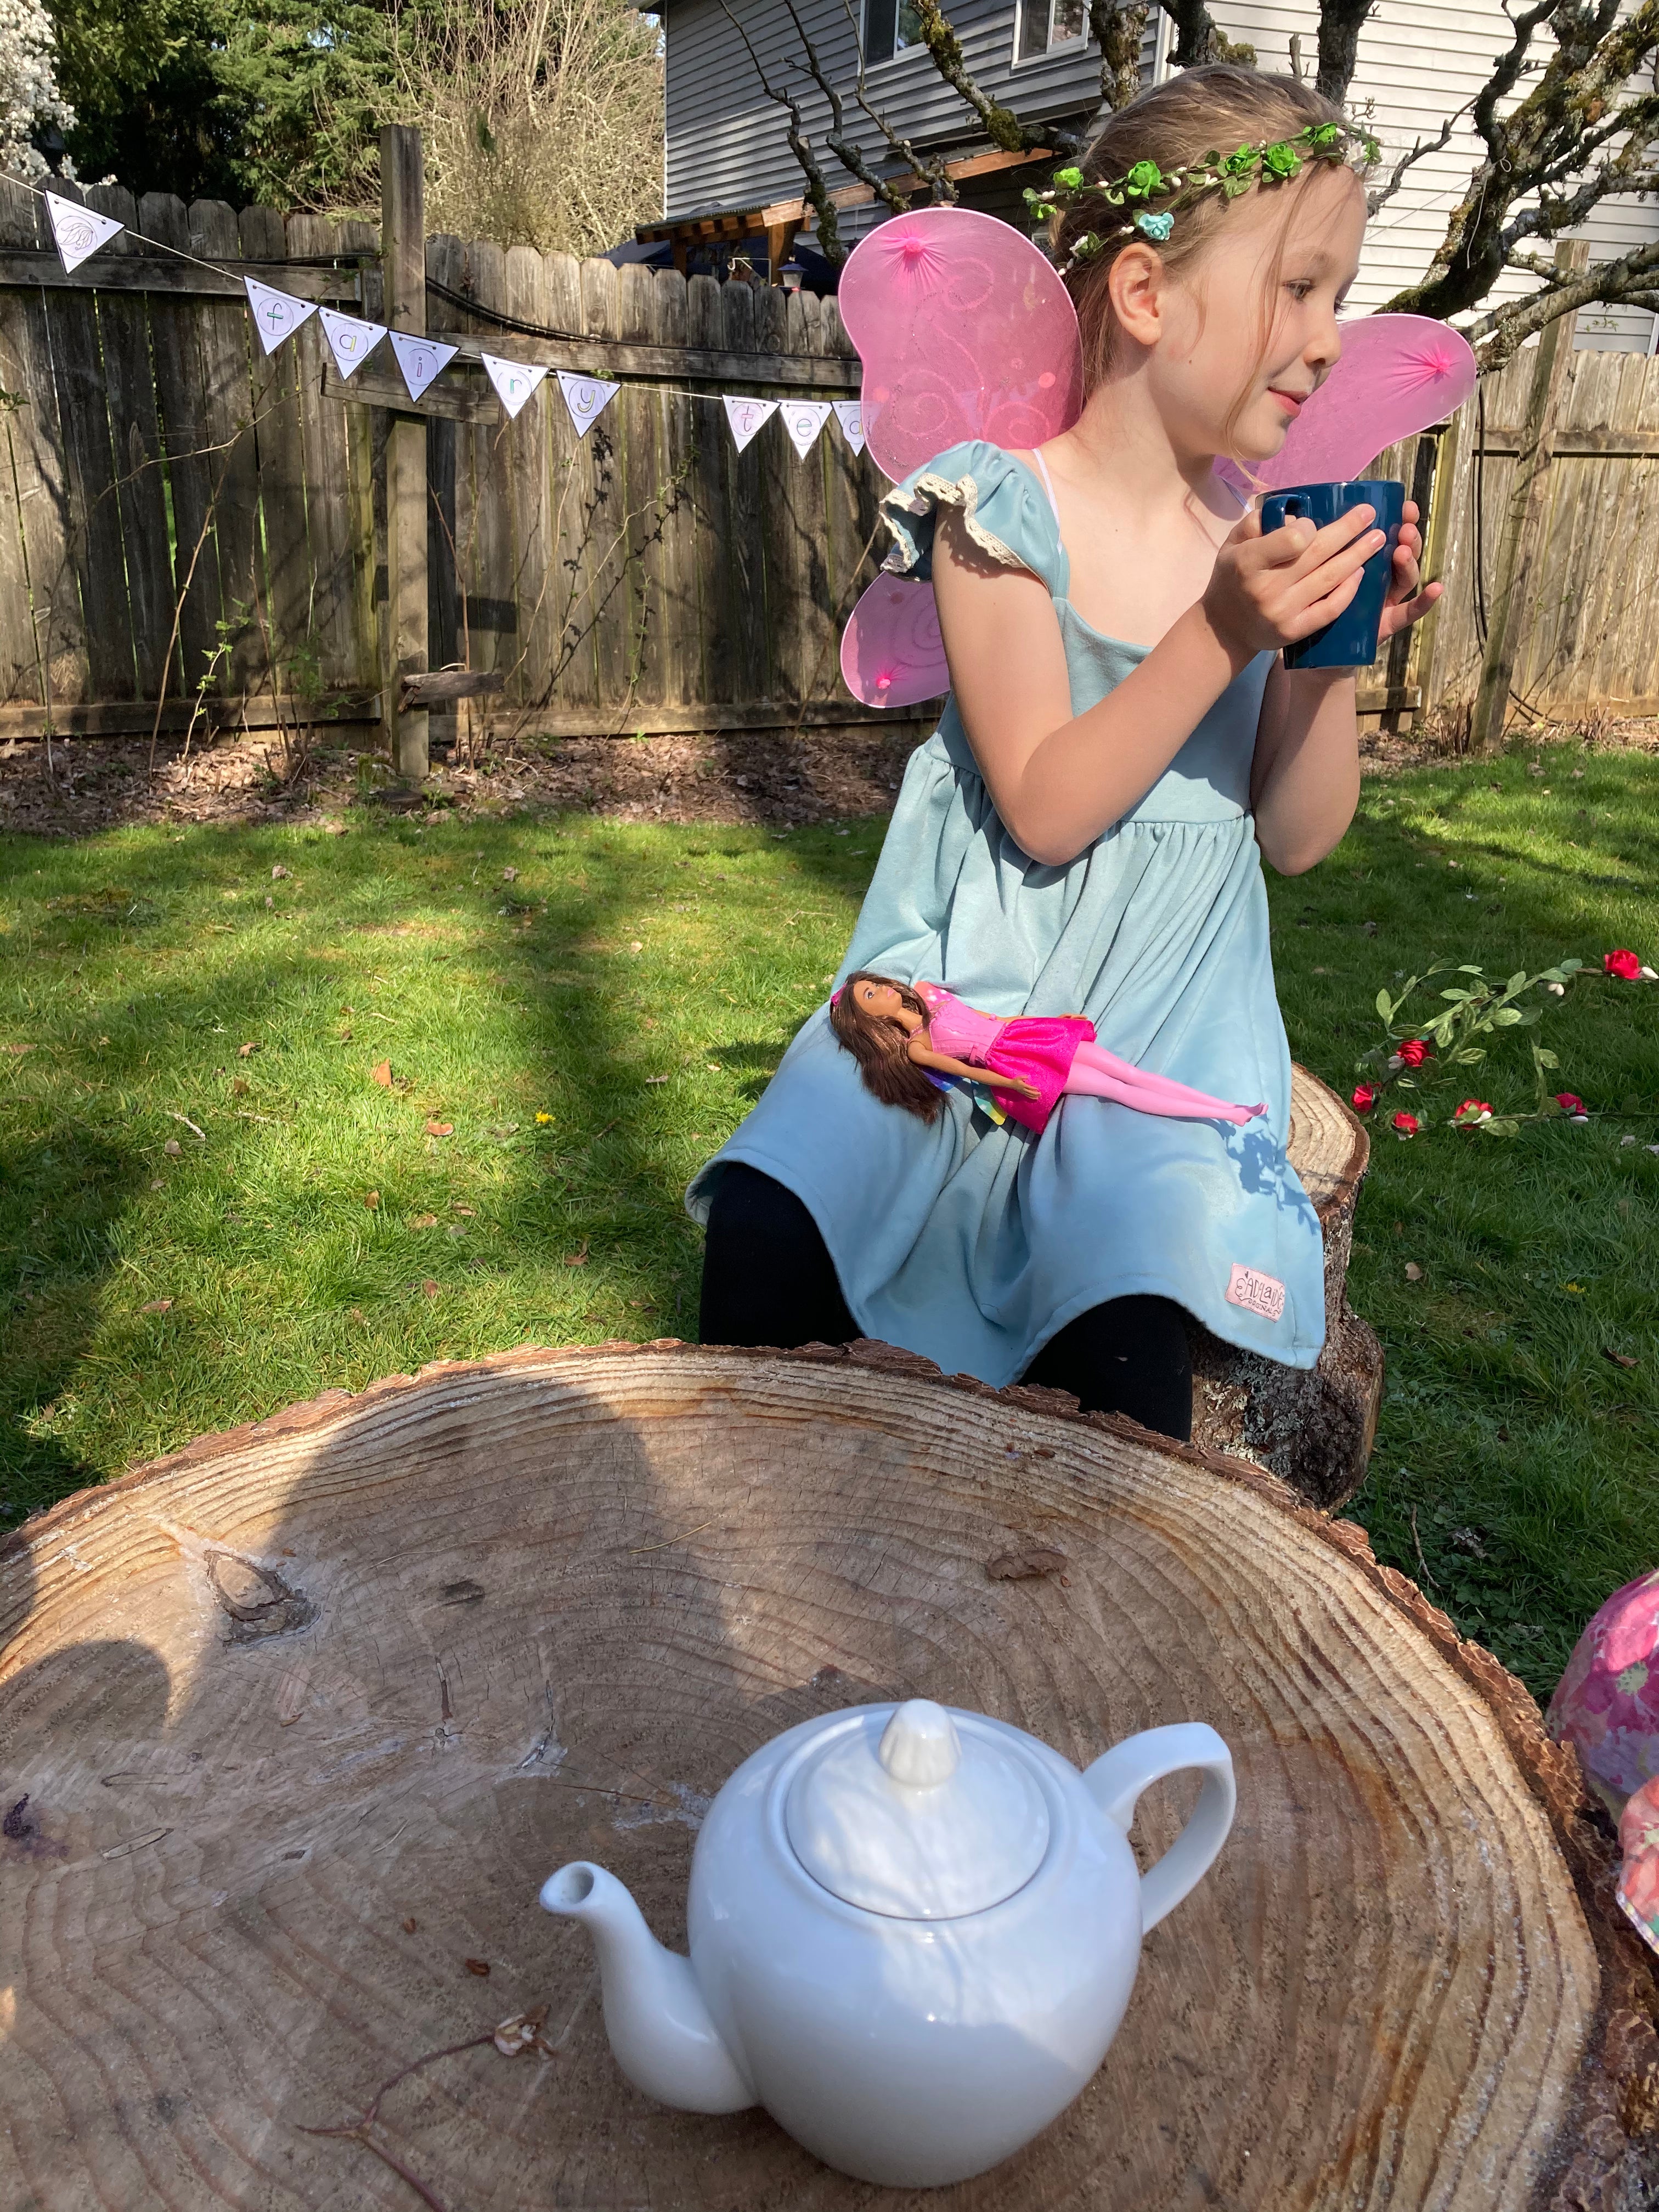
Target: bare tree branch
[933,171]
[817,189]
[1340,22]
[1001,125]
[1119,26]
[1423,147]
[1199,38]
[1628,281]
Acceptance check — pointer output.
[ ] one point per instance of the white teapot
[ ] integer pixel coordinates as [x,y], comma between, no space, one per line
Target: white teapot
[914,1935]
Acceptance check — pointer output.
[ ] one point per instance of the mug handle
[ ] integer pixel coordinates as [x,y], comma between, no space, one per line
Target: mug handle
[1117,1779]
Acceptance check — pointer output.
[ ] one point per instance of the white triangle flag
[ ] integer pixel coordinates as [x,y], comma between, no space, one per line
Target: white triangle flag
[849,413]
[514,380]
[802,419]
[78,230]
[421,359]
[586,397]
[746,417]
[349,340]
[276,315]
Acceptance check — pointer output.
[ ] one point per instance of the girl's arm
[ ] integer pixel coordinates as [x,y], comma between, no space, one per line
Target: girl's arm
[1058,780]
[942,1064]
[1305,783]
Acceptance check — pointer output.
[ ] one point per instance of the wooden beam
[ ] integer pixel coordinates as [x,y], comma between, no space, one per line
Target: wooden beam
[611,357]
[180,280]
[136,718]
[975,165]
[1523,523]
[452,399]
[1619,445]
[404,638]
[435,687]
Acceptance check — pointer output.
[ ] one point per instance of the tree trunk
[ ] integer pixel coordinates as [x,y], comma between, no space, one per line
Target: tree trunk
[294,1723]
[1313,1425]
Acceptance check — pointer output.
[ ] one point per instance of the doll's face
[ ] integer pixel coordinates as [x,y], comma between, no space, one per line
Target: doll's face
[879,999]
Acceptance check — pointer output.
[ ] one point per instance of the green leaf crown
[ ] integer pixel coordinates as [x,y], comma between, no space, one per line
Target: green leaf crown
[1269,161]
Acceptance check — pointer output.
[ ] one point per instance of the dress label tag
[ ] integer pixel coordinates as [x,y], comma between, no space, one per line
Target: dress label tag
[1256,1292]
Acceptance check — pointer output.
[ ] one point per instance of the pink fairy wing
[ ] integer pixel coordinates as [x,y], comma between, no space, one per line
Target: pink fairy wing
[1396,375]
[965,330]
[891,654]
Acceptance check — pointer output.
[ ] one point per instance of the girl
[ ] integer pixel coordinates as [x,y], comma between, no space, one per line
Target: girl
[896,1034]
[1086,829]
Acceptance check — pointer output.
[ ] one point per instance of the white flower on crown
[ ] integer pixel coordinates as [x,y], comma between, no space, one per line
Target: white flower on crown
[28,85]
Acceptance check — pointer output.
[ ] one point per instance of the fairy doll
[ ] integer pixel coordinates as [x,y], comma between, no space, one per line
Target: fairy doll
[1121,750]
[902,1036]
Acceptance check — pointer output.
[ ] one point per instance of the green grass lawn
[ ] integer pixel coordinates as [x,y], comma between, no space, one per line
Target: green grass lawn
[574,1011]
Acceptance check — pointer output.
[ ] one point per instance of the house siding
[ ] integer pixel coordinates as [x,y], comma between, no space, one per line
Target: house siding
[1420,60]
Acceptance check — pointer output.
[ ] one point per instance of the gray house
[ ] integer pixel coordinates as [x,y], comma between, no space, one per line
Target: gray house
[731,181]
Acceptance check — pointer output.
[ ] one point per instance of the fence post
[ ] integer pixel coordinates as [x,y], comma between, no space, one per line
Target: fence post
[403,260]
[1523,521]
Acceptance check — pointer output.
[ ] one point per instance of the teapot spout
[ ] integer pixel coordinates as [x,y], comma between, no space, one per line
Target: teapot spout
[661,2031]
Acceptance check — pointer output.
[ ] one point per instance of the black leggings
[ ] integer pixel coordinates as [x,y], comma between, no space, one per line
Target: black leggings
[767,1279]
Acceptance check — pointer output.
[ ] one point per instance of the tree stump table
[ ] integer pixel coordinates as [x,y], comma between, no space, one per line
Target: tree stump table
[1312,1426]
[294,1723]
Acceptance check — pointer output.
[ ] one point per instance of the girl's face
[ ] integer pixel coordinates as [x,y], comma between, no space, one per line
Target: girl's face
[1263,297]
[879,999]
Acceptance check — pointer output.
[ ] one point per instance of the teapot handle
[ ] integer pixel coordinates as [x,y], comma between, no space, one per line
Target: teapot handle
[1117,1779]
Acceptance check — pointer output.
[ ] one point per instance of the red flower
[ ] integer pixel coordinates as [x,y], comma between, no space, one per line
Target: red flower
[1471,1111]
[1364,1097]
[1625,965]
[1414,1052]
[1568,1102]
[1407,1124]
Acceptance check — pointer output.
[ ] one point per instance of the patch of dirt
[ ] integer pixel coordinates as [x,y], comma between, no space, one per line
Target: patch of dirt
[781,778]
[778,778]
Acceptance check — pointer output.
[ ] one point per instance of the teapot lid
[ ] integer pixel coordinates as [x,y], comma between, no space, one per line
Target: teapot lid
[917,1821]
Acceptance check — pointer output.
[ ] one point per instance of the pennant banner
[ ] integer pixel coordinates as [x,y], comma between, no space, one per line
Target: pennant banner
[421,359]
[514,380]
[802,419]
[746,417]
[79,232]
[276,315]
[349,340]
[849,413]
[586,397]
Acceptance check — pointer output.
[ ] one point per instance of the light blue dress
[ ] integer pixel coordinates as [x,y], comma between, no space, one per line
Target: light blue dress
[973,1243]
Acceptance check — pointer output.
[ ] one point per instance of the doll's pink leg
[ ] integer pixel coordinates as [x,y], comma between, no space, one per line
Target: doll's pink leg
[1097,1073]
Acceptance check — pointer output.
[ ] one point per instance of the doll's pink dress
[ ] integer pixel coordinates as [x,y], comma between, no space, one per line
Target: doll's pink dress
[1035,1048]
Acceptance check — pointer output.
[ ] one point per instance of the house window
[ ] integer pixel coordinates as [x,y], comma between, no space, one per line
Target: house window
[890,27]
[1045,24]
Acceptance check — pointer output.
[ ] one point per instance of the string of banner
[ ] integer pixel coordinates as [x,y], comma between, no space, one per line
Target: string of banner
[80,232]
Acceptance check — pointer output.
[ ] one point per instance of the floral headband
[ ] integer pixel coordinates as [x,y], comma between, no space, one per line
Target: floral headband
[1274,162]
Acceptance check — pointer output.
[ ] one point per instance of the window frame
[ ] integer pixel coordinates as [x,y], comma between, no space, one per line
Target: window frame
[899,54]
[1056,46]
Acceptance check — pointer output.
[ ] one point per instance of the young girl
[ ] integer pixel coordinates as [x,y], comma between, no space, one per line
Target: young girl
[898,1034]
[1086,829]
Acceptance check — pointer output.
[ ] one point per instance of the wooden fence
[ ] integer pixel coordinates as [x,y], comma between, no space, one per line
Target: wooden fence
[180,515]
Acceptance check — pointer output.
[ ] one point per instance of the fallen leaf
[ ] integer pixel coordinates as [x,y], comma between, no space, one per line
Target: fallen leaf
[636,946]
[1020,1567]
[480,1966]
[1620,1359]
[382,1073]
[424,1221]
[519,2033]
[577,1259]
[410,1925]
[157,1305]
[470,1212]
[246,1051]
[238,1087]
[440,1128]
[17,1048]
[1413,1273]
[171,1148]
[345,1036]
[510,875]
[656,1078]
[429,1287]
[279,872]
[371,1200]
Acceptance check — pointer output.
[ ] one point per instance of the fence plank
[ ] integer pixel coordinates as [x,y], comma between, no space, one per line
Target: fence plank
[358,444]
[224,336]
[284,572]
[716,674]
[678,461]
[746,612]
[42,636]
[140,492]
[523,448]
[492,616]
[612,612]
[331,635]
[781,548]
[644,472]
[181,406]
[570,461]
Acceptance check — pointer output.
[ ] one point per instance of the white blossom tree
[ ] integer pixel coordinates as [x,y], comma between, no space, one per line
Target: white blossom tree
[28,85]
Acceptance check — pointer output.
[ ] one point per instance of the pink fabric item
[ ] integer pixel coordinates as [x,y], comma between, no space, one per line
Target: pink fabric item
[1607,1704]
[1638,1881]
[1038,1050]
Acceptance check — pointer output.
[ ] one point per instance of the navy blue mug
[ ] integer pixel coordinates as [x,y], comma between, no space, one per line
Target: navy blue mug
[1350,642]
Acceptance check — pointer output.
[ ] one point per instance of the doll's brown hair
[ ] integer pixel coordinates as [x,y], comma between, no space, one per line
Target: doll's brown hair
[1212,108]
[880,1048]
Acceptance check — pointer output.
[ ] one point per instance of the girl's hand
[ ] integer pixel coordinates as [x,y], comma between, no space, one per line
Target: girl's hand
[1406,604]
[1269,591]
[1013,1083]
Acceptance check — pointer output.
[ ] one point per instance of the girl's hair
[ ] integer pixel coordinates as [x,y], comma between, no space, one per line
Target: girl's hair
[1211,109]
[879,1048]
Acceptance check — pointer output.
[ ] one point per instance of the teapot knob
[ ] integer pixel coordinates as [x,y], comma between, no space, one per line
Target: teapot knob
[919,1745]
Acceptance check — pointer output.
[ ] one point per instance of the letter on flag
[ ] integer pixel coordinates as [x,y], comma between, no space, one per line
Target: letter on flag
[514,380]
[802,419]
[350,340]
[849,413]
[586,397]
[79,231]
[276,315]
[746,417]
[421,359]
